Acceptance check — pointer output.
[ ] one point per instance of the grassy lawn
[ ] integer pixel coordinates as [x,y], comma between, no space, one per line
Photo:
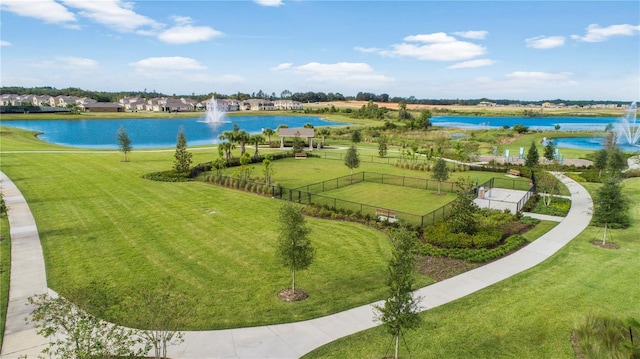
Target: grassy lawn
[404,199]
[100,221]
[5,267]
[530,315]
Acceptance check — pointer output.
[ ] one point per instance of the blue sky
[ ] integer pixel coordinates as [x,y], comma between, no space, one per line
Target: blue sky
[528,50]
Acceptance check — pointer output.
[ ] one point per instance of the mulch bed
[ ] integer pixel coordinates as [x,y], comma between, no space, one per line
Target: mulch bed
[438,268]
[287,295]
[607,245]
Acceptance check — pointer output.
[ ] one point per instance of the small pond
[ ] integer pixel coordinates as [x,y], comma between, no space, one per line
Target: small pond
[154,133]
[589,143]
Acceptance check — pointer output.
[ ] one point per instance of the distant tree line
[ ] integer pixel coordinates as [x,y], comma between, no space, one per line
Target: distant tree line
[304,97]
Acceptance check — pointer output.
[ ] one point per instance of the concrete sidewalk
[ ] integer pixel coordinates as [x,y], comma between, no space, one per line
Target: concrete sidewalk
[28,275]
[296,339]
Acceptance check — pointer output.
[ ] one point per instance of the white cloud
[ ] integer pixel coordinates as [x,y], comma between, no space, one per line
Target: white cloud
[367,49]
[269,2]
[67,63]
[187,34]
[452,51]
[78,62]
[476,35]
[438,37]
[45,10]
[539,76]
[175,63]
[115,14]
[432,47]
[545,42]
[283,66]
[595,33]
[5,43]
[472,64]
[346,73]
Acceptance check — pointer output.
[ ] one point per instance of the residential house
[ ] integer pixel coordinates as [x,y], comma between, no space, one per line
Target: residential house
[257,105]
[102,107]
[287,105]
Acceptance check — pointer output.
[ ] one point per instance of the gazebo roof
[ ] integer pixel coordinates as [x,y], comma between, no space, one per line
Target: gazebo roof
[292,132]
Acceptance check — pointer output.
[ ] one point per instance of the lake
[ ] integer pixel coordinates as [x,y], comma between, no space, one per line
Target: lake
[154,133]
[534,123]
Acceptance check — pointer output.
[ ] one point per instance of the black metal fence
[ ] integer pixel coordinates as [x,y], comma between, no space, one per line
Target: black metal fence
[394,180]
[310,194]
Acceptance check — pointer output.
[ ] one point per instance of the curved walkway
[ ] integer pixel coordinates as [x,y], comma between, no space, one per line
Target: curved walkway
[294,339]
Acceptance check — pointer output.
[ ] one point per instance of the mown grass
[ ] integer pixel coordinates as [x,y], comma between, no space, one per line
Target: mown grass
[100,221]
[404,199]
[5,271]
[530,315]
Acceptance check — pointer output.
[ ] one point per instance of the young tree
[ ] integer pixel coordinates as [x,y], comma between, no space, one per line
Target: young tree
[183,160]
[400,310]
[294,246]
[75,333]
[352,158]
[440,172]
[403,113]
[245,171]
[124,143]
[161,310]
[219,164]
[548,185]
[382,146]
[550,150]
[298,143]
[600,160]
[356,137]
[462,218]
[533,157]
[610,206]
[268,170]
[424,120]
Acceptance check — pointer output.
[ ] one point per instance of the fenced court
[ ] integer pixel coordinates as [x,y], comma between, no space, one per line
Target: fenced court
[410,199]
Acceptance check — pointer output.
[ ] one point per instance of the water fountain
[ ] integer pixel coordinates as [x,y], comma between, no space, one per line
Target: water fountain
[213,115]
[627,127]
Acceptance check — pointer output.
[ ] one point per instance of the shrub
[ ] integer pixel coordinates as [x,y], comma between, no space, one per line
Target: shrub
[168,176]
[632,173]
[487,238]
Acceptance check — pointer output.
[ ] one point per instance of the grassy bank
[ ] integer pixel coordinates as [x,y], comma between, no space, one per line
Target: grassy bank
[100,221]
[530,315]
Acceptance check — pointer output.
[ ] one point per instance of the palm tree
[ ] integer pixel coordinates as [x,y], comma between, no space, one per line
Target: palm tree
[268,132]
[242,137]
[324,132]
[256,140]
[227,147]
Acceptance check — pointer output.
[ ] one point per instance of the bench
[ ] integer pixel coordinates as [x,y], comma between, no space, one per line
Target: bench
[386,215]
[513,172]
[301,155]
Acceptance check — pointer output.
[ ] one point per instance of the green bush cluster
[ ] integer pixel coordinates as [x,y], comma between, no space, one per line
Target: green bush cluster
[474,255]
[632,173]
[168,176]
[440,235]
